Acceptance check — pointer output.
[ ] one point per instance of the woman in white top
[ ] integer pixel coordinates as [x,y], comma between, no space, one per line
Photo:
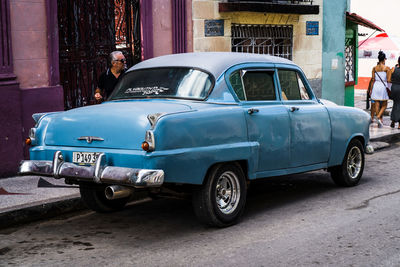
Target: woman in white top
[379,97]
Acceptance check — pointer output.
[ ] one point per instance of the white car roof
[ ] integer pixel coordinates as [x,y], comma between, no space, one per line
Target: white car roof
[214,62]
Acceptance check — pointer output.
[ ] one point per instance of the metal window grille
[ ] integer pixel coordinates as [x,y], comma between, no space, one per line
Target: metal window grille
[274,40]
[349,56]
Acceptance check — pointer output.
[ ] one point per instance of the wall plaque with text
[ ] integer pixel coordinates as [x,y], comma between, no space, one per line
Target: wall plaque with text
[312,27]
[214,27]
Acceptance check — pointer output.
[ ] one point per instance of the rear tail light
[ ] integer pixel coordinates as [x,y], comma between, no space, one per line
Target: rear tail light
[31,140]
[145,146]
[149,142]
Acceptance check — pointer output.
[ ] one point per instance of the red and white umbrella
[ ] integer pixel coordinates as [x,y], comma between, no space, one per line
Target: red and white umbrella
[371,47]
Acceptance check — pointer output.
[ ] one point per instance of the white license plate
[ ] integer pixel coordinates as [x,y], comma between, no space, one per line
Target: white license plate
[84,157]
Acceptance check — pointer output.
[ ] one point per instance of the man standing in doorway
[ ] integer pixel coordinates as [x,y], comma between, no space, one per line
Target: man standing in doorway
[110,77]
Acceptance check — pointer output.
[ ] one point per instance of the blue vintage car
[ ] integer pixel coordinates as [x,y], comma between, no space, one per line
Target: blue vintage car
[200,123]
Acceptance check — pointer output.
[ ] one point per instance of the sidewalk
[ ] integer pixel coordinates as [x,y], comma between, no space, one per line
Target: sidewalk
[379,137]
[29,198]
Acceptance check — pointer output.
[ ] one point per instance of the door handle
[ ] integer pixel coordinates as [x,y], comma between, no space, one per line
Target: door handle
[293,109]
[252,110]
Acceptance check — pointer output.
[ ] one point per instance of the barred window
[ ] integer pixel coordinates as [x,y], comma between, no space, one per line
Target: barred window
[276,40]
[349,56]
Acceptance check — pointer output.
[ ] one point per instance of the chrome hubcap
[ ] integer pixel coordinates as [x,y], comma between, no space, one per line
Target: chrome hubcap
[354,161]
[227,193]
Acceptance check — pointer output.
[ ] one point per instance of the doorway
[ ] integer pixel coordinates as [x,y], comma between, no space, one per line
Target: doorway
[88,32]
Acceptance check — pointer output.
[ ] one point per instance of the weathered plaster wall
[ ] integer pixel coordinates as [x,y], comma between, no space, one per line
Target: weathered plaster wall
[162,27]
[202,10]
[30,43]
[29,39]
[307,49]
[333,61]
[189,21]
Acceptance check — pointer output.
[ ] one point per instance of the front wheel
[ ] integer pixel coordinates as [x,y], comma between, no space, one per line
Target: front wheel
[95,199]
[221,200]
[350,172]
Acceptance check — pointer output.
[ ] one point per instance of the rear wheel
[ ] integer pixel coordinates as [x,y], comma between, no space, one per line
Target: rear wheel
[221,200]
[94,197]
[350,172]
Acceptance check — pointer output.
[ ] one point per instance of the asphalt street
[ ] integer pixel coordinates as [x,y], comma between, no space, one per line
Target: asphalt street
[300,220]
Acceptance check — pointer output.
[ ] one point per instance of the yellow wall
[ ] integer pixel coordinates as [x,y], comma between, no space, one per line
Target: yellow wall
[307,50]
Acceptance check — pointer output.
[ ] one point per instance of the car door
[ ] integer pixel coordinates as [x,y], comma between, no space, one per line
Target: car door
[310,128]
[267,119]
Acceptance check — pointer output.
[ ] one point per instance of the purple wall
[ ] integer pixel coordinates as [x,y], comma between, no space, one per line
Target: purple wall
[146,19]
[16,109]
[37,100]
[10,100]
[11,141]
[162,17]
[17,105]
[52,42]
[179,28]
[44,99]
[6,66]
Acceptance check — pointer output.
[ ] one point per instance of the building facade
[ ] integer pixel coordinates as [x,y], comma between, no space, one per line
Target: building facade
[290,29]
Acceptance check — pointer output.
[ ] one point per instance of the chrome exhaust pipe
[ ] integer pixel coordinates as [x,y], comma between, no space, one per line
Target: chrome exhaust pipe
[117,191]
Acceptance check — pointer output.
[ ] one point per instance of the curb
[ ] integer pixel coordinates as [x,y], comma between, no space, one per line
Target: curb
[384,141]
[388,138]
[40,212]
[51,209]
[378,146]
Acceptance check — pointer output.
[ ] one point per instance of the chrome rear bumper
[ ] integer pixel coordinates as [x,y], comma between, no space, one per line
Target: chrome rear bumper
[97,173]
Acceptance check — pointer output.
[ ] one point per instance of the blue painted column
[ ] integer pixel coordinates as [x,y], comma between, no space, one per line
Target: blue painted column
[333,45]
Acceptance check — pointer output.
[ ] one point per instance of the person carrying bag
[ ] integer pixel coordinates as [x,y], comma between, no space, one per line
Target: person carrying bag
[380,90]
[386,85]
[369,90]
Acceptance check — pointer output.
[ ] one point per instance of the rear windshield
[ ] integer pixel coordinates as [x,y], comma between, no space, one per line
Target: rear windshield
[164,82]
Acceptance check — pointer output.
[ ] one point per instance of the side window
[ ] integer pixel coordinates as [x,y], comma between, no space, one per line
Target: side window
[292,86]
[253,85]
[259,85]
[237,86]
[303,91]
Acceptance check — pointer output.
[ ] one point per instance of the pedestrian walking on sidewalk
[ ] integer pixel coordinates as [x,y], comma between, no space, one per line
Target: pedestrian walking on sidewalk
[379,96]
[395,95]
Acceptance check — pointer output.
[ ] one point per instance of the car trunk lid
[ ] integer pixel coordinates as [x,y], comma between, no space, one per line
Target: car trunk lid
[118,125]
